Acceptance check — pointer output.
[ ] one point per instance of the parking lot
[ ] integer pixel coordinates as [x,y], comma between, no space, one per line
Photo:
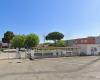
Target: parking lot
[66,68]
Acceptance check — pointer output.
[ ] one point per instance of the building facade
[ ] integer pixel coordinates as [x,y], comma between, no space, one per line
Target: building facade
[88,40]
[4,45]
[89,45]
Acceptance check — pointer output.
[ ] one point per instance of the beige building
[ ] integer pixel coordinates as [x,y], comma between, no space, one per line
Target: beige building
[88,45]
[89,49]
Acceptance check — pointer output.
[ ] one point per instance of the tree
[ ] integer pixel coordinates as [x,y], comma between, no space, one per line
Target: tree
[7,37]
[18,41]
[55,36]
[31,40]
[61,43]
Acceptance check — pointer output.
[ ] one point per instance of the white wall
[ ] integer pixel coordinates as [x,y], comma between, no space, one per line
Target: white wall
[82,48]
[86,48]
[10,55]
[97,46]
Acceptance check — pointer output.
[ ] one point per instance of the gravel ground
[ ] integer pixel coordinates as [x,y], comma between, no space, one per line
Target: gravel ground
[68,68]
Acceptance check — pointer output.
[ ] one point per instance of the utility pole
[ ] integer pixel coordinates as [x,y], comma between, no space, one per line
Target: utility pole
[44,39]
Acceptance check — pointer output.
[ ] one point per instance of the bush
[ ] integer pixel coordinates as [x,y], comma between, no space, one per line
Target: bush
[60,43]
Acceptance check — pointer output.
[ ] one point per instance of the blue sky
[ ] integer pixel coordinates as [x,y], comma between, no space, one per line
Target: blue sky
[74,18]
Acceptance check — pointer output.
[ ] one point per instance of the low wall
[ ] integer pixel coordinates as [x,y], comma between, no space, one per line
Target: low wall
[39,54]
[10,55]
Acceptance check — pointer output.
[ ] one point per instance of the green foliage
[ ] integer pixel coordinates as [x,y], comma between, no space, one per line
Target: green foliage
[47,43]
[28,41]
[60,43]
[8,36]
[18,41]
[54,36]
[31,40]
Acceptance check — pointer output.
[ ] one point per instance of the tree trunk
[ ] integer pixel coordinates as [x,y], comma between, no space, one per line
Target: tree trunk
[55,41]
[18,55]
[9,45]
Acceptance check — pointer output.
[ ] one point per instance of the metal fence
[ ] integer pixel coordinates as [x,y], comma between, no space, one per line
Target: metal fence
[41,53]
[56,52]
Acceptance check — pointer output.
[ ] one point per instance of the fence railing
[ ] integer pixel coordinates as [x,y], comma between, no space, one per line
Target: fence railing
[42,52]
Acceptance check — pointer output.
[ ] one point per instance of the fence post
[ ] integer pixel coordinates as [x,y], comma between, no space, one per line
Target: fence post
[18,53]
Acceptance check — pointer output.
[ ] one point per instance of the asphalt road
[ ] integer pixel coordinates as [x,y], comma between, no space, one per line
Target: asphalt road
[69,68]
